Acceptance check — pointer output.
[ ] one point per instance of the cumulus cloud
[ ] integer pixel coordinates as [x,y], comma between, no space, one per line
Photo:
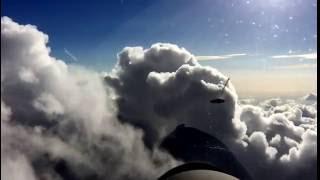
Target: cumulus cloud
[279,130]
[163,86]
[275,140]
[259,142]
[253,117]
[59,121]
[310,97]
[247,101]
[302,157]
[62,121]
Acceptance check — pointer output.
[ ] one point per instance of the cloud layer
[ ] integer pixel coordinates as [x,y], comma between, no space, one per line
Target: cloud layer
[66,122]
[283,133]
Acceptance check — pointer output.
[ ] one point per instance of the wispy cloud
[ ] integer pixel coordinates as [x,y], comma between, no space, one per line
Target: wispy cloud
[296,56]
[221,57]
[70,55]
[297,66]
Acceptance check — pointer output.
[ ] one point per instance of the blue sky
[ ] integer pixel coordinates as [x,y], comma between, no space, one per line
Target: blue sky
[94,31]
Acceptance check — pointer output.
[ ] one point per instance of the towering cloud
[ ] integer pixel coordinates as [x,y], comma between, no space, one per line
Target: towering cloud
[163,86]
[66,122]
[59,121]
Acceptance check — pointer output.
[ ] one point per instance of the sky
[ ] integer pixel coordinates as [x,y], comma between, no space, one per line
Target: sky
[269,43]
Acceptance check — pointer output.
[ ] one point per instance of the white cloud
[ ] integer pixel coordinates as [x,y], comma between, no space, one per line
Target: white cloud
[16,168]
[259,141]
[290,142]
[49,104]
[287,126]
[171,88]
[52,113]
[275,140]
[305,150]
[312,97]
[253,117]
[5,112]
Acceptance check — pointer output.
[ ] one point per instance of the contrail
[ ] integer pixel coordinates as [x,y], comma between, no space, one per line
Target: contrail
[294,56]
[70,55]
[210,58]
